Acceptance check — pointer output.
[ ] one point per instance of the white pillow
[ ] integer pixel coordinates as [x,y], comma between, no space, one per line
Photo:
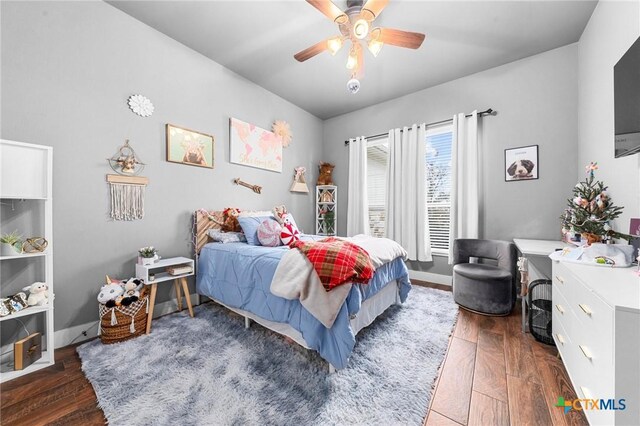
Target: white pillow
[226,237]
[255,213]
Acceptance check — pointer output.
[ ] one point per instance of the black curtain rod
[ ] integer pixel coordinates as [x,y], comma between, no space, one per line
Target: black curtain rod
[488,111]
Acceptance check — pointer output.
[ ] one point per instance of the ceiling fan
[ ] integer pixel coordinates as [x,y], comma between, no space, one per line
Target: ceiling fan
[355,25]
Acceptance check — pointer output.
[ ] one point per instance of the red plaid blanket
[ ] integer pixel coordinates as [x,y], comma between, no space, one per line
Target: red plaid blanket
[337,262]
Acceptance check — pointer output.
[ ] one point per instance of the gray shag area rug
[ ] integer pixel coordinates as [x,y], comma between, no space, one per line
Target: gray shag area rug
[210,370]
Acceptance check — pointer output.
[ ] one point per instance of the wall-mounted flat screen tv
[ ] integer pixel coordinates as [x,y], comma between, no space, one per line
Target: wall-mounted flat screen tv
[626,74]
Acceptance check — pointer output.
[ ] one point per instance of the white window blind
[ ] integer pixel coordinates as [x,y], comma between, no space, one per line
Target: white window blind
[377,156]
[438,185]
[438,175]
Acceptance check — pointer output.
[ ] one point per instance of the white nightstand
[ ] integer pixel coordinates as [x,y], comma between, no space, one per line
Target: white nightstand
[159,272]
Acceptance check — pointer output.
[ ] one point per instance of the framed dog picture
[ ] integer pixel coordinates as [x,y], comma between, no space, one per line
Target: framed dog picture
[521,163]
[186,146]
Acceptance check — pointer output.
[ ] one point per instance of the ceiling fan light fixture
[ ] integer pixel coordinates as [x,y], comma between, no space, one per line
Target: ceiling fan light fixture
[361,28]
[367,14]
[353,86]
[375,46]
[352,60]
[334,45]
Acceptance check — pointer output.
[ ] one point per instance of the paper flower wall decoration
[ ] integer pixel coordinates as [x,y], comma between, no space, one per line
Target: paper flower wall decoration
[141,105]
[283,131]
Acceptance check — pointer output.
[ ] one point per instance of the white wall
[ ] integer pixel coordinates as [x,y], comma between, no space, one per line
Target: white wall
[612,29]
[67,71]
[536,100]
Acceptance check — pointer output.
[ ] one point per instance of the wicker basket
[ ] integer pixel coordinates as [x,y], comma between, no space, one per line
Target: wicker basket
[115,323]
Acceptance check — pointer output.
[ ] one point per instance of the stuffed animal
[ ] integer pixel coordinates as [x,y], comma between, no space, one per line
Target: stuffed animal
[231,223]
[325,174]
[111,295]
[37,294]
[131,291]
[279,212]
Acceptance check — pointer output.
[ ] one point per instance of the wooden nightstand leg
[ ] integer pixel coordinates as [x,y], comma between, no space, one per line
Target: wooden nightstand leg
[187,295]
[152,302]
[176,285]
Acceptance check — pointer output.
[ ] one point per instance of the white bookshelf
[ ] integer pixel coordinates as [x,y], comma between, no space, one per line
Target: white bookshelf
[26,174]
[326,201]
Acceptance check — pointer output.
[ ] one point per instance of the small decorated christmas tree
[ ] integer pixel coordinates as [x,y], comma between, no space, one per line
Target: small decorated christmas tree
[590,211]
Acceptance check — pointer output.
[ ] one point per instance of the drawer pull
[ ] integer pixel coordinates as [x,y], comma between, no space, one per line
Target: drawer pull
[585,309]
[560,280]
[560,338]
[585,352]
[560,309]
[585,392]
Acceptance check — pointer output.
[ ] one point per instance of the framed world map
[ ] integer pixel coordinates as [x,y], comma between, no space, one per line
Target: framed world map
[254,147]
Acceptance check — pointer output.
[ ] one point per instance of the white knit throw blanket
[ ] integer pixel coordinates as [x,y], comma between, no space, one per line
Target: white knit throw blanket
[127,201]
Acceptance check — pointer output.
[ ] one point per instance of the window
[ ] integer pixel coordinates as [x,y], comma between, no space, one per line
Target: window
[377,156]
[438,185]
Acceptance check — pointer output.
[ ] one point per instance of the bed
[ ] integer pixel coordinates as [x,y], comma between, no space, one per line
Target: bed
[239,277]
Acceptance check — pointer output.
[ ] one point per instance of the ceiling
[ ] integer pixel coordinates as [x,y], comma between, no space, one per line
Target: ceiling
[257,39]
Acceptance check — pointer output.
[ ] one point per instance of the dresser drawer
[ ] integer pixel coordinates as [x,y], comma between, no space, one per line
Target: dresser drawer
[562,280]
[563,343]
[561,313]
[595,350]
[593,328]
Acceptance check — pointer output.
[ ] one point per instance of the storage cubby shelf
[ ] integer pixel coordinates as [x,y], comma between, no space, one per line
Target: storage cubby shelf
[26,174]
[31,310]
[23,256]
[326,202]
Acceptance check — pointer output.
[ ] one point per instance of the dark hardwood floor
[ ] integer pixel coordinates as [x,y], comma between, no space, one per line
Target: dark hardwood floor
[492,375]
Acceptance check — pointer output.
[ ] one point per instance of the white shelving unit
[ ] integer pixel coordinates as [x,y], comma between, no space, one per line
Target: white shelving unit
[142,271]
[326,202]
[26,174]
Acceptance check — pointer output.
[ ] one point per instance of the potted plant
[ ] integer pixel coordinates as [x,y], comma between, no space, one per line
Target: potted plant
[329,222]
[148,255]
[11,244]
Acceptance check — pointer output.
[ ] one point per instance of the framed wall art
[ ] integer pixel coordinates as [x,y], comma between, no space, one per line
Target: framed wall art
[189,147]
[521,163]
[254,147]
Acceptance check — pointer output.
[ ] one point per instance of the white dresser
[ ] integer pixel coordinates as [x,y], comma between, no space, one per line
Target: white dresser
[596,327]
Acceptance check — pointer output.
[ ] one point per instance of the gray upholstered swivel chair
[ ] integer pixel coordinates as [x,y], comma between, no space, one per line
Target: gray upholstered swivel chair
[482,287]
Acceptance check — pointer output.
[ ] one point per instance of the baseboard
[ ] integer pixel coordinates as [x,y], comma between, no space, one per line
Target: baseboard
[65,336]
[430,277]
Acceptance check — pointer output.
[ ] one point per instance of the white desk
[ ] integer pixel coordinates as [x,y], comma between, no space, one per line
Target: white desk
[538,247]
[537,253]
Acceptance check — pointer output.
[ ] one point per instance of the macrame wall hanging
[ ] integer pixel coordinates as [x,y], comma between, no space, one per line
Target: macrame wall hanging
[126,189]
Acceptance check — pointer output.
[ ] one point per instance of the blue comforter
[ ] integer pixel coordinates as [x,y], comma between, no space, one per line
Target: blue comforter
[239,275]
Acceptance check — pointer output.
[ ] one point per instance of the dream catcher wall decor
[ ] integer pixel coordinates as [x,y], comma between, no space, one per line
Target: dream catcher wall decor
[126,188]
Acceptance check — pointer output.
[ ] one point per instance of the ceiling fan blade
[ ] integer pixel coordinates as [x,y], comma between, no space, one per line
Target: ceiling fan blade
[312,51]
[372,8]
[401,38]
[330,10]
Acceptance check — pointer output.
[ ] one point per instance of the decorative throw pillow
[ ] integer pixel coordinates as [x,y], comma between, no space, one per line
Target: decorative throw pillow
[290,233]
[226,237]
[250,225]
[269,233]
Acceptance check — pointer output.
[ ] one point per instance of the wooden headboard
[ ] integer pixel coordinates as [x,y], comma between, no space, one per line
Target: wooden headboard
[201,226]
